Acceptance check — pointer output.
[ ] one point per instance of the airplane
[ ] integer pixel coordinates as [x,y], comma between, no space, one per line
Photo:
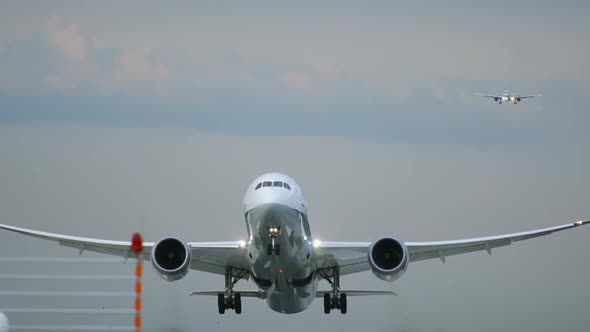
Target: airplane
[507,97]
[282,257]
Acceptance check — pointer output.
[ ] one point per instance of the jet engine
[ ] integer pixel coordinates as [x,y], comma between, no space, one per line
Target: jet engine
[388,258]
[171,258]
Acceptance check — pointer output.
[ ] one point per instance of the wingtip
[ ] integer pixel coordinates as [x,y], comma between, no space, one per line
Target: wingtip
[581,223]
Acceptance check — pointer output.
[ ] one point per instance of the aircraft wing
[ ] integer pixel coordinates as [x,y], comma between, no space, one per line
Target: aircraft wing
[525,97]
[213,257]
[488,96]
[351,257]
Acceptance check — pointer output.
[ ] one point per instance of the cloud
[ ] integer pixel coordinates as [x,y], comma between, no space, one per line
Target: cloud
[58,83]
[137,65]
[132,66]
[68,40]
[326,71]
[298,81]
[91,62]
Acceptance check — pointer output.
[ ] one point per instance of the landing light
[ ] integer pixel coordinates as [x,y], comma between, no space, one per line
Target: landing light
[579,223]
[273,231]
[317,243]
[242,243]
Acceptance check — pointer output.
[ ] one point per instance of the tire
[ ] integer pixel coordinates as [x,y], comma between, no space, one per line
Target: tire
[343,304]
[269,250]
[238,303]
[277,249]
[327,303]
[221,303]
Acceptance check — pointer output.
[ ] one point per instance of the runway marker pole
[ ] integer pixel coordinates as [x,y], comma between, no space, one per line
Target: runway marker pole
[137,248]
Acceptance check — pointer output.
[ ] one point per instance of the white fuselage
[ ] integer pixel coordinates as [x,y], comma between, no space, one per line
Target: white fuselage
[279,245]
[508,97]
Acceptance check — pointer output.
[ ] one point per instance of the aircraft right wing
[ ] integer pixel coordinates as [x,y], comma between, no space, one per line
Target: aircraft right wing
[212,257]
[489,96]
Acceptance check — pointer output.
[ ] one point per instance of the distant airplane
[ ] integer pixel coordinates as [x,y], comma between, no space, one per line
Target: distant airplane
[507,97]
[282,257]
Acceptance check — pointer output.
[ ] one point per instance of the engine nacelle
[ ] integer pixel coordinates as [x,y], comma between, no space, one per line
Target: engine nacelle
[388,258]
[171,258]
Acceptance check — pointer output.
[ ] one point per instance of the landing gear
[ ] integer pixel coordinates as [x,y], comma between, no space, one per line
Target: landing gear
[229,299]
[229,302]
[273,248]
[238,303]
[335,300]
[327,303]
[221,303]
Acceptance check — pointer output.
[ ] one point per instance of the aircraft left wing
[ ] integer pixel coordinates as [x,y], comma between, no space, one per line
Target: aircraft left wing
[351,257]
[525,97]
[212,257]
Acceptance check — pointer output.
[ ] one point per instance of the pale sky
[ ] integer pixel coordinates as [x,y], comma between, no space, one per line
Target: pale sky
[116,117]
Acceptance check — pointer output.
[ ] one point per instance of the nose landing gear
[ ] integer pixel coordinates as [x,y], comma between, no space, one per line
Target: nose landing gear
[273,248]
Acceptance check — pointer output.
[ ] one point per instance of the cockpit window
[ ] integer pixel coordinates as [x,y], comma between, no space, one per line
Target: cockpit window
[273,184]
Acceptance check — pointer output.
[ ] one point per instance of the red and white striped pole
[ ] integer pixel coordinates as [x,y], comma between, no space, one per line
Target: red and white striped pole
[137,248]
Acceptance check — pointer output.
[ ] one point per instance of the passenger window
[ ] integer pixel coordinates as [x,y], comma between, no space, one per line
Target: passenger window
[277,184]
[258,186]
[286,185]
[267,184]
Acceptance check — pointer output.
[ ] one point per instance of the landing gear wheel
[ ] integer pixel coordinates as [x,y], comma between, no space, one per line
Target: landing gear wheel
[343,305]
[221,303]
[327,303]
[269,250]
[238,303]
[277,250]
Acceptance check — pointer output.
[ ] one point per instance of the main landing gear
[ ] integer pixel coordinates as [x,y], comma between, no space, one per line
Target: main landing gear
[229,299]
[335,299]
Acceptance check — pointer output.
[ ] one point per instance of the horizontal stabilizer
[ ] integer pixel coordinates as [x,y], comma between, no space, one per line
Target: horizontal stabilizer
[358,293]
[247,293]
